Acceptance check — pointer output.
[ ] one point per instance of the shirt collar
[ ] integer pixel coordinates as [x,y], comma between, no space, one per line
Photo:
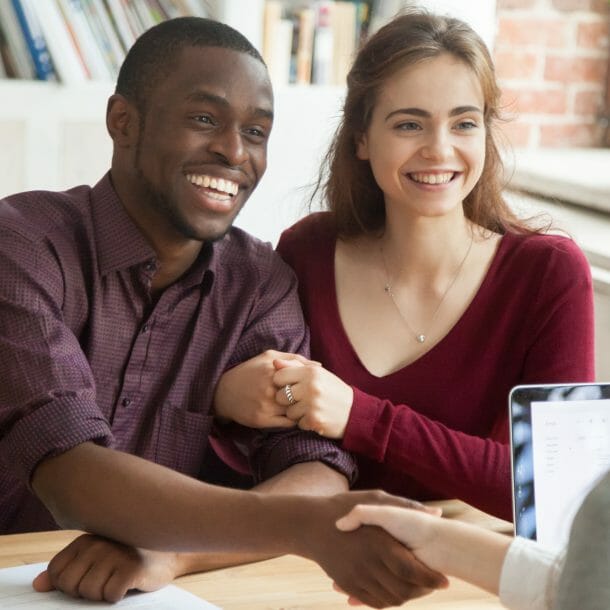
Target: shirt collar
[121,245]
[119,242]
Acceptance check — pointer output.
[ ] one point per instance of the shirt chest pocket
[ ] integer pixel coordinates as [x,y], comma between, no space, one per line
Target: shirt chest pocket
[182,439]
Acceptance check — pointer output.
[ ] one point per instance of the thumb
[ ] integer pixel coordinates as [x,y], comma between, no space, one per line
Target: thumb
[349,522]
[42,583]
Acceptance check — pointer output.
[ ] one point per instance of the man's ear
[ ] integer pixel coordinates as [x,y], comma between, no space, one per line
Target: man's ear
[362,147]
[122,121]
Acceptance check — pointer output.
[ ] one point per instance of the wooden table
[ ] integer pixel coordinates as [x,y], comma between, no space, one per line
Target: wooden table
[284,583]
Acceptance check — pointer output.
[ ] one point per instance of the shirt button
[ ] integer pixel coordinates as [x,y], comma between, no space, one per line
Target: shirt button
[146,328]
[150,266]
[126,402]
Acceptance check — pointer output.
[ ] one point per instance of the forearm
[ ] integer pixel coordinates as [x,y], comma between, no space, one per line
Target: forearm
[467,552]
[313,478]
[142,504]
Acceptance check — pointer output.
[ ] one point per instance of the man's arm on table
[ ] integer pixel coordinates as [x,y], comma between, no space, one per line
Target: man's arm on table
[97,568]
[144,505]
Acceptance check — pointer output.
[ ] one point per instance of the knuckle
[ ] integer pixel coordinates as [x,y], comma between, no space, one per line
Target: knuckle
[114,592]
[377,496]
[65,584]
[89,591]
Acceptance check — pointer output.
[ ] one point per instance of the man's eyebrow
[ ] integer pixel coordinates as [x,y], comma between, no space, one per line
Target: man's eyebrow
[426,115]
[205,96]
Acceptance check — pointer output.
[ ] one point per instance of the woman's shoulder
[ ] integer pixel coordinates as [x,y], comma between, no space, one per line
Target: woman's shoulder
[314,230]
[544,249]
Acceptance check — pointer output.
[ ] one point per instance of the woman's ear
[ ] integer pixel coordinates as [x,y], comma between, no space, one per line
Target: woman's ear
[122,121]
[362,147]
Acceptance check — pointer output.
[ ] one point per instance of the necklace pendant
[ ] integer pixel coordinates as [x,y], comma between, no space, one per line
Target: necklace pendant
[420,338]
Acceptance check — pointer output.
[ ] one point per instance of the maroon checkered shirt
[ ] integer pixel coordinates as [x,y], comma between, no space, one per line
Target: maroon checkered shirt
[86,354]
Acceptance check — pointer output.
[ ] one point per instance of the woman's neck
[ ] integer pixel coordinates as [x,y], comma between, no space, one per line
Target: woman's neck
[425,250]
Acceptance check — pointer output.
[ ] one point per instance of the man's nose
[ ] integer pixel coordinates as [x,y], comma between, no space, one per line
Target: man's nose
[228,145]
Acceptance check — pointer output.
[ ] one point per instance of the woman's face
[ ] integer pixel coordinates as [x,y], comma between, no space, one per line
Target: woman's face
[426,139]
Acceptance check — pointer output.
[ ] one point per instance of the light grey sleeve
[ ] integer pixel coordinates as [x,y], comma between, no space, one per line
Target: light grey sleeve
[585,581]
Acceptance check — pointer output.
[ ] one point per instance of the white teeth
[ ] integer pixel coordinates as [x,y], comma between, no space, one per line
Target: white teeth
[220,184]
[432,178]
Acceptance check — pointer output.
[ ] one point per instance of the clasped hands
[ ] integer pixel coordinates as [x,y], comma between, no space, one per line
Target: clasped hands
[254,394]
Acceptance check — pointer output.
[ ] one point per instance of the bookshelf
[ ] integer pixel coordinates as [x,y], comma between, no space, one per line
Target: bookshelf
[54,134]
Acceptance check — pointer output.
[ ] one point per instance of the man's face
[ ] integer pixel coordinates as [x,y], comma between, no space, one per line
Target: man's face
[202,147]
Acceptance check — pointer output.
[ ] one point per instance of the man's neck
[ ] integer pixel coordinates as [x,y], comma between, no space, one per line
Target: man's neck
[174,263]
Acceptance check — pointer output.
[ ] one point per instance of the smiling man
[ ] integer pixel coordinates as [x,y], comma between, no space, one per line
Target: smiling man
[122,305]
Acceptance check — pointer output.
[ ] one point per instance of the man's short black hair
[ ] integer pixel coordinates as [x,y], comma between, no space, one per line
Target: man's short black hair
[151,57]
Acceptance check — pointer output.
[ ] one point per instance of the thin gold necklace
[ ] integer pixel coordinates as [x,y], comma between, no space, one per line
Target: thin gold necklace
[421,336]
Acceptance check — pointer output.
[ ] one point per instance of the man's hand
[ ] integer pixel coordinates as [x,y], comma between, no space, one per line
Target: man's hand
[368,564]
[245,394]
[101,570]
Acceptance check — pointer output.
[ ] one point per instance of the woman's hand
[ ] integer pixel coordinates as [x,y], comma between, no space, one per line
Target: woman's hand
[245,394]
[321,401]
[416,529]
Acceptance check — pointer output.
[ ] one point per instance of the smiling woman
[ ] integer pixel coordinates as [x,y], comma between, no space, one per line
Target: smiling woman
[427,298]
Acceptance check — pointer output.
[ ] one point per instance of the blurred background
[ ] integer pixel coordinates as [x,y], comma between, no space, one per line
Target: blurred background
[59,60]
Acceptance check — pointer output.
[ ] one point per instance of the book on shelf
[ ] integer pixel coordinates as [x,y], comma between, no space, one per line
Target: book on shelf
[20,61]
[117,13]
[277,42]
[109,40]
[344,24]
[7,67]
[34,38]
[325,36]
[304,46]
[60,37]
[87,43]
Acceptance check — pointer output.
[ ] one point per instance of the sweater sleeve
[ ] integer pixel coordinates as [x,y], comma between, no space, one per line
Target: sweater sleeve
[457,465]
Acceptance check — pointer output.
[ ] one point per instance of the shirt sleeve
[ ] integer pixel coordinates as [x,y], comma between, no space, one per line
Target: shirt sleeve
[529,576]
[47,393]
[277,323]
[558,326]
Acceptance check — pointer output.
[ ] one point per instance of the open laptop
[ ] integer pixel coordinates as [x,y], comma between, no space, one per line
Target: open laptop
[560,446]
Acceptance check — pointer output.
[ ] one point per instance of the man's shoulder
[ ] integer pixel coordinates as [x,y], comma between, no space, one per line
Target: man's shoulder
[43,214]
[253,259]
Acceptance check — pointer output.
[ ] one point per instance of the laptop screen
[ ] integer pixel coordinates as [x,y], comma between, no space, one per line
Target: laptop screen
[560,446]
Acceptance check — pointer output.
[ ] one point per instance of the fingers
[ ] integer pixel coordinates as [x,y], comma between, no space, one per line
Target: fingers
[280,421]
[422,579]
[296,361]
[285,359]
[89,567]
[369,515]
[42,583]
[385,499]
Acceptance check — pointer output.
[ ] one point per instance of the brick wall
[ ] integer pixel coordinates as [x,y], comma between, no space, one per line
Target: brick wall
[552,59]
